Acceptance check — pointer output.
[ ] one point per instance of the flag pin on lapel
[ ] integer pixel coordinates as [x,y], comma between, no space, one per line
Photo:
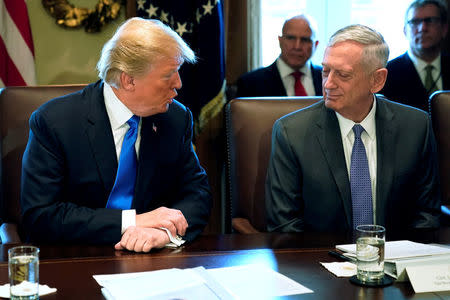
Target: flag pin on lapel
[154,128]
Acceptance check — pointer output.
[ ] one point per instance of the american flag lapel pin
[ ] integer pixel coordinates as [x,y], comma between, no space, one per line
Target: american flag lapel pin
[154,128]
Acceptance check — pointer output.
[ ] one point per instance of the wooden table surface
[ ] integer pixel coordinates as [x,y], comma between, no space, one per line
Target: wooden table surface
[69,268]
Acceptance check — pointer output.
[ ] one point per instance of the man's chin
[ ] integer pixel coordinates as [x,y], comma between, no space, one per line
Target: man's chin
[330,103]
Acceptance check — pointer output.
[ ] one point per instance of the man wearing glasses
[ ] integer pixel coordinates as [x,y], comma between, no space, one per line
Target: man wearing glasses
[424,68]
[292,74]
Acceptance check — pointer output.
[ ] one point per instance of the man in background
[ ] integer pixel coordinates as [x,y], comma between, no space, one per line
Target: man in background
[353,158]
[292,74]
[424,68]
[114,163]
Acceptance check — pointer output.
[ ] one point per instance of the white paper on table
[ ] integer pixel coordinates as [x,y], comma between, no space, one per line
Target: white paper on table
[341,269]
[403,249]
[240,282]
[429,278]
[43,290]
[142,285]
[256,282]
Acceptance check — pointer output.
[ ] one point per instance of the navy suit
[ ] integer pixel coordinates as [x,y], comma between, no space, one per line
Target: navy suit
[70,164]
[403,83]
[308,187]
[266,82]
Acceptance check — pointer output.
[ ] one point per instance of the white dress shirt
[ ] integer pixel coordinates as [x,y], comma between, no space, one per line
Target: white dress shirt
[118,115]
[369,138]
[289,81]
[420,66]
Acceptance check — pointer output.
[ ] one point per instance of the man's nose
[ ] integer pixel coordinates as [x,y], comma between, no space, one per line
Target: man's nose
[177,83]
[422,26]
[298,43]
[328,82]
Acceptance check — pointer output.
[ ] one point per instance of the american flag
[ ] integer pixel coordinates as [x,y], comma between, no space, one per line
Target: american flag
[16,45]
[200,24]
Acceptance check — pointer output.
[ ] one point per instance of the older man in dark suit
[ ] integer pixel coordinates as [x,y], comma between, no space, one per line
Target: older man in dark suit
[353,158]
[292,74]
[114,163]
[424,68]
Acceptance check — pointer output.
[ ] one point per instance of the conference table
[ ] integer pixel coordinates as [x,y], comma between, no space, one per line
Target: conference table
[70,268]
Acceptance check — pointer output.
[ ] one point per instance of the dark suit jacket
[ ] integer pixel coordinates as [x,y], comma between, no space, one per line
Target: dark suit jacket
[70,164]
[308,185]
[267,82]
[403,83]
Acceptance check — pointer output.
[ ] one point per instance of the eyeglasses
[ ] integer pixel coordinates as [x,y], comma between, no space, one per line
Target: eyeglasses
[428,21]
[293,39]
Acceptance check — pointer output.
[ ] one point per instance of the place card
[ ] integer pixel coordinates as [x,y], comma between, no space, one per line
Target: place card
[429,278]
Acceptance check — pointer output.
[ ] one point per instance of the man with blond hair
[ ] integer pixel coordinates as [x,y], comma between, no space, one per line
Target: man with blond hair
[355,157]
[114,163]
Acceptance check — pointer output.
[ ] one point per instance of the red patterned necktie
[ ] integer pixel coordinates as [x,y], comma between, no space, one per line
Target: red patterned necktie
[298,86]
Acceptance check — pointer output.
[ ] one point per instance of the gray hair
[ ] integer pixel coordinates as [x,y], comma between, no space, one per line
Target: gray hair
[441,5]
[136,46]
[376,50]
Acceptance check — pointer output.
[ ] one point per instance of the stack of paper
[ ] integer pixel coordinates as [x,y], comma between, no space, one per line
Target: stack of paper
[241,282]
[402,254]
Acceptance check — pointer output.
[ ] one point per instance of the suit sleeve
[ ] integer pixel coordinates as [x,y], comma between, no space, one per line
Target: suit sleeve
[283,185]
[47,214]
[194,195]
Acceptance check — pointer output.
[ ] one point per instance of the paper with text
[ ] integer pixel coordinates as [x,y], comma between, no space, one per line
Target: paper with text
[431,278]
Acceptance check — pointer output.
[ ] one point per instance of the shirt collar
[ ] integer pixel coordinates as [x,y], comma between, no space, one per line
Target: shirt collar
[421,64]
[118,113]
[368,123]
[286,70]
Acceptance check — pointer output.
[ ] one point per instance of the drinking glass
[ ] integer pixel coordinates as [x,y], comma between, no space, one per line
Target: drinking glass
[23,264]
[370,253]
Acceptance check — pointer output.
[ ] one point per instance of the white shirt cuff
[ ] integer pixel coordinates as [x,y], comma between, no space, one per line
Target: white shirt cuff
[128,219]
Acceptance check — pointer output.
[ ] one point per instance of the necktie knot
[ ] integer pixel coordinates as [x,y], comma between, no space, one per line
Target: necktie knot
[133,122]
[358,129]
[297,75]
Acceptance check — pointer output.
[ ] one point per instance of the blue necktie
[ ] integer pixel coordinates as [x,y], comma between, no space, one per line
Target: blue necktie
[123,191]
[360,184]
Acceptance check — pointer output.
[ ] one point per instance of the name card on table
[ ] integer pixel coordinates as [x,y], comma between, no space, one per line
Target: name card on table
[429,278]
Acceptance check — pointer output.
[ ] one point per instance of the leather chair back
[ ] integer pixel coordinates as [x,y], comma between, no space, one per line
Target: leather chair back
[16,106]
[249,124]
[440,116]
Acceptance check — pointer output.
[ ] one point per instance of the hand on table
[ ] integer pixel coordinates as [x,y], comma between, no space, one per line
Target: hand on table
[140,239]
[172,219]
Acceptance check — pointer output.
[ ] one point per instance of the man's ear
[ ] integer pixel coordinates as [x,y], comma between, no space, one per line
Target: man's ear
[126,82]
[378,80]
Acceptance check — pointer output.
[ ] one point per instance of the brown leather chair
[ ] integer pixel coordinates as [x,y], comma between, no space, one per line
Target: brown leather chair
[249,124]
[16,106]
[440,116]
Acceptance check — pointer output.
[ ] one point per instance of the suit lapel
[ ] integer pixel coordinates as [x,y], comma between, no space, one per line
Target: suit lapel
[415,83]
[99,133]
[385,132]
[317,79]
[277,83]
[329,137]
[445,71]
[148,152]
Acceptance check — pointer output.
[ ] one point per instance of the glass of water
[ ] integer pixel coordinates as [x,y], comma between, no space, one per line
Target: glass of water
[24,272]
[370,253]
